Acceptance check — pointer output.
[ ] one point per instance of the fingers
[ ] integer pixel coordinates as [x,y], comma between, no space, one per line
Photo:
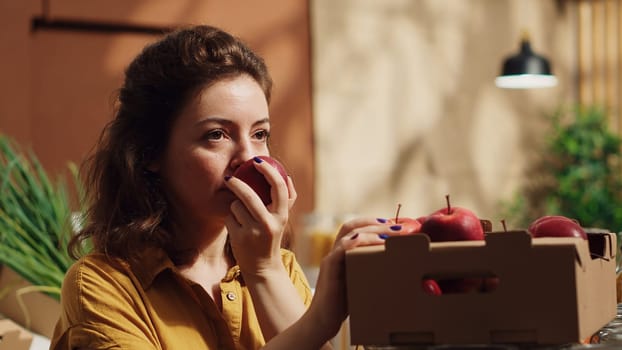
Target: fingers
[279,191]
[292,192]
[357,239]
[251,215]
[369,225]
[350,226]
[360,232]
[247,196]
[232,223]
[239,213]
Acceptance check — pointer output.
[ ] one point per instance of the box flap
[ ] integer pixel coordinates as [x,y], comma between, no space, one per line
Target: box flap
[13,337]
[42,310]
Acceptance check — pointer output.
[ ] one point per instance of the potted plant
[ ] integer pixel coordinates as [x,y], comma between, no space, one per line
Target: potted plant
[579,174]
[36,224]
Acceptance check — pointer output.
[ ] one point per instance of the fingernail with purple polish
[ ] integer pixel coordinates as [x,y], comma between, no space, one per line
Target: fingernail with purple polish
[257,159]
[383,236]
[227,178]
[381,220]
[396,227]
[354,236]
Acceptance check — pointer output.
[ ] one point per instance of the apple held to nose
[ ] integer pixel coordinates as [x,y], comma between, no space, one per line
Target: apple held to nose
[452,224]
[556,226]
[252,177]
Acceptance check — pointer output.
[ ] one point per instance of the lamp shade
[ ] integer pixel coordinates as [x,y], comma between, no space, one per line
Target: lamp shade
[526,70]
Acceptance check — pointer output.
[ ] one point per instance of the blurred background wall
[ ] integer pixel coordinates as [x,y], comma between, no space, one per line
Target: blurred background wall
[405,105]
[405,108]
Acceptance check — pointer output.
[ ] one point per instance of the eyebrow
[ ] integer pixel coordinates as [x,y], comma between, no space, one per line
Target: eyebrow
[227,121]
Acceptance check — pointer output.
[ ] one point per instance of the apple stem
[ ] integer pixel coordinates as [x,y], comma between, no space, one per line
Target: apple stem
[505,229]
[448,204]
[397,213]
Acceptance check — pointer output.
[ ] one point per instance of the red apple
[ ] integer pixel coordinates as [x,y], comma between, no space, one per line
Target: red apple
[249,174]
[409,225]
[548,217]
[490,284]
[461,285]
[556,226]
[431,287]
[452,224]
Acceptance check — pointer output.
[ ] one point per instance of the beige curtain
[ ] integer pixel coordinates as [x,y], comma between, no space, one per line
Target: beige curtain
[599,57]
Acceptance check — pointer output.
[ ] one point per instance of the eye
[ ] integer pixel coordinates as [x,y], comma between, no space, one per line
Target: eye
[262,135]
[215,134]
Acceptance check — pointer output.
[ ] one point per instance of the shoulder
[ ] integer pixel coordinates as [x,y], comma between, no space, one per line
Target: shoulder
[93,279]
[95,267]
[103,306]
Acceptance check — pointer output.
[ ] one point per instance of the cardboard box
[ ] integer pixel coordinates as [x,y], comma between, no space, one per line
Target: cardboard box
[547,290]
[41,311]
[13,337]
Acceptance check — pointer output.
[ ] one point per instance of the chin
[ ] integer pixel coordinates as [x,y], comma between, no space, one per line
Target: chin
[221,202]
[211,212]
[225,196]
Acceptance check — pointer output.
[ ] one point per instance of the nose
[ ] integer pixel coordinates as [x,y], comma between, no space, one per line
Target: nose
[243,152]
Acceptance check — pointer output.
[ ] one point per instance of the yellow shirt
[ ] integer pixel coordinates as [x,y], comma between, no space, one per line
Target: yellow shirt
[152,306]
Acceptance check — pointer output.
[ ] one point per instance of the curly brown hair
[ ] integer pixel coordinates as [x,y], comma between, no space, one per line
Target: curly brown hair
[126,208]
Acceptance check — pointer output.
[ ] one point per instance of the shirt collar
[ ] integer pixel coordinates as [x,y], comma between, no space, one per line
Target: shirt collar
[153,261]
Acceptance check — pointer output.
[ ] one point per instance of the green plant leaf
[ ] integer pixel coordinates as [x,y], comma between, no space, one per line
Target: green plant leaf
[582,159]
[35,218]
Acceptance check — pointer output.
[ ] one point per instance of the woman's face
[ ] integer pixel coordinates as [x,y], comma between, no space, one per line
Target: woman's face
[221,127]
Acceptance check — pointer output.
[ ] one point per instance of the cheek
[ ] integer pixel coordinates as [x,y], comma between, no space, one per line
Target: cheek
[192,176]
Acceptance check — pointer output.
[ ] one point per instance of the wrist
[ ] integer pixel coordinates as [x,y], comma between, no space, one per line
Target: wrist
[263,271]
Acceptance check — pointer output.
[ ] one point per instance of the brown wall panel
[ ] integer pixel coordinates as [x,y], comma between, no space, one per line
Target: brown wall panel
[73,82]
[15,68]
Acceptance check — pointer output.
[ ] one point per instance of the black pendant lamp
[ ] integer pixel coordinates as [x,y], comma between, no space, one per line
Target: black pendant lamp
[526,70]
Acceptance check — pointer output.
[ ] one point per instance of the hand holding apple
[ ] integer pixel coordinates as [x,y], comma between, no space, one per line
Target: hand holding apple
[446,224]
[409,225]
[252,177]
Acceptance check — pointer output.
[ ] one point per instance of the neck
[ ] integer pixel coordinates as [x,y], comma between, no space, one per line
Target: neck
[208,264]
[196,244]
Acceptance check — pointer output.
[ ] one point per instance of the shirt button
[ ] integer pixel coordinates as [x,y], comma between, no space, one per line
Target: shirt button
[230,296]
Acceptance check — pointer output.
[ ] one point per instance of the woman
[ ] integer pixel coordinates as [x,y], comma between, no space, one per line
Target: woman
[185,256]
